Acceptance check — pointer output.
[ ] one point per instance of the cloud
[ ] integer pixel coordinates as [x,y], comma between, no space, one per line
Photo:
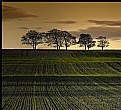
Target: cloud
[113,33]
[39,28]
[10,13]
[63,22]
[108,23]
[23,28]
[26,28]
[75,33]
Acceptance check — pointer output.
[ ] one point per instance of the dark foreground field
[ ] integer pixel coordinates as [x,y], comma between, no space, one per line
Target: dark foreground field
[61,80]
[61,93]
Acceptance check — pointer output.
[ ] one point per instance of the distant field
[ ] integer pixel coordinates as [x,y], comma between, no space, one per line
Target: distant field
[49,54]
[61,63]
[61,80]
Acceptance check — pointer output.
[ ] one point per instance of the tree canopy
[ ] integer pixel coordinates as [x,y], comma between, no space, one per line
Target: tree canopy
[102,42]
[32,38]
[60,38]
[86,40]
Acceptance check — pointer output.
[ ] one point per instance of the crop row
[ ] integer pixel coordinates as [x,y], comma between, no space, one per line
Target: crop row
[64,94]
[61,103]
[83,68]
[49,54]
[115,65]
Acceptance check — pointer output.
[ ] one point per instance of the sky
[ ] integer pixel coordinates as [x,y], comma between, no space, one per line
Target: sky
[95,18]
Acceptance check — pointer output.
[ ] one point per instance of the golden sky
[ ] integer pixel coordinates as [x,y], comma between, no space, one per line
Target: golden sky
[95,18]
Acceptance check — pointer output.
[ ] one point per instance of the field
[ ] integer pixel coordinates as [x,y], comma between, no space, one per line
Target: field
[61,80]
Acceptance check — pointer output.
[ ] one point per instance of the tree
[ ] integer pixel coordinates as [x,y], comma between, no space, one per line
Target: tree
[60,38]
[32,38]
[102,42]
[54,37]
[68,39]
[91,44]
[86,40]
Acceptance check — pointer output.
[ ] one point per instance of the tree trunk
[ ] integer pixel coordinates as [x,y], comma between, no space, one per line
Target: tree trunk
[85,46]
[59,47]
[35,45]
[88,48]
[57,43]
[66,46]
[65,42]
[102,47]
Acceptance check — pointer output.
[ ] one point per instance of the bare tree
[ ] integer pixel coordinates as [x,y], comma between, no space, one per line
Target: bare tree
[68,39]
[102,42]
[32,38]
[54,37]
[86,40]
[91,44]
[60,38]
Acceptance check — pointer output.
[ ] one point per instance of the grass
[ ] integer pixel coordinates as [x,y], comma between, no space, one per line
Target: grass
[60,63]
[63,60]
[61,80]
[61,92]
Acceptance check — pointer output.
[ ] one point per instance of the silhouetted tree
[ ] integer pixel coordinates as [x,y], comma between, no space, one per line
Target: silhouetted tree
[86,40]
[54,37]
[32,38]
[60,38]
[91,44]
[102,42]
[68,39]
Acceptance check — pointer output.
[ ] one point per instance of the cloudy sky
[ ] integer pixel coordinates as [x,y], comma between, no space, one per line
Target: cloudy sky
[97,19]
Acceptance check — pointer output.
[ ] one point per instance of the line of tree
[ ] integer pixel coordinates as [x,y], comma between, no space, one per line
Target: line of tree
[58,39]
[54,37]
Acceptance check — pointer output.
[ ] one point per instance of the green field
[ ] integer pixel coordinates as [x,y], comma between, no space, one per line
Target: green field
[61,80]
[60,63]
